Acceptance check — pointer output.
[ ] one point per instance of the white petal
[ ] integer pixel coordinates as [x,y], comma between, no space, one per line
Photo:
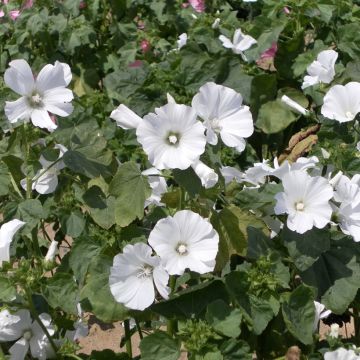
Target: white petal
[42,119]
[67,72]
[226,42]
[57,101]
[161,279]
[125,118]
[12,325]
[19,77]
[7,232]
[19,350]
[50,77]
[19,109]
[309,81]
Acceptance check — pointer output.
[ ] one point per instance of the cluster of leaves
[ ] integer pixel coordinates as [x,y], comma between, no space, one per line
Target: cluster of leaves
[261,295]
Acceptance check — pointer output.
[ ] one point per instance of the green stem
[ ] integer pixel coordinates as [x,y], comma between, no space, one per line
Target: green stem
[73,356]
[2,355]
[35,241]
[26,155]
[38,320]
[171,323]
[139,329]
[14,184]
[128,337]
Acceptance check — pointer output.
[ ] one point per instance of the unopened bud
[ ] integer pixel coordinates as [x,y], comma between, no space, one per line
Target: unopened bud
[294,105]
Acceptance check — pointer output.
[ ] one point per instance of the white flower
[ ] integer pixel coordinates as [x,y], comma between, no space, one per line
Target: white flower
[185,241]
[322,70]
[7,232]
[208,176]
[125,118]
[341,354]
[230,173]
[216,23]
[358,146]
[346,190]
[182,40]
[342,103]
[50,255]
[349,218]
[320,313]
[224,114]
[334,330]
[294,105]
[172,137]
[306,200]
[133,275]
[45,180]
[158,186]
[19,326]
[240,43]
[46,94]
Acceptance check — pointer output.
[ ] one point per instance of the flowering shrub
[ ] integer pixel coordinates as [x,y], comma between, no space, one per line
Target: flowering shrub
[189,168]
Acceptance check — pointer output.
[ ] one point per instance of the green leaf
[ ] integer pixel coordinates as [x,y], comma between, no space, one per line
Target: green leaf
[61,292]
[131,189]
[299,313]
[7,290]
[274,117]
[159,345]
[224,319]
[4,179]
[188,180]
[193,301]
[74,224]
[79,163]
[235,349]
[83,251]
[231,223]
[30,211]
[336,275]
[258,243]
[306,248]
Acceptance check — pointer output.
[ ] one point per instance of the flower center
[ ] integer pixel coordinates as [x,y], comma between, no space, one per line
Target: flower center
[173,138]
[145,271]
[215,125]
[35,100]
[299,206]
[182,249]
[350,115]
[27,335]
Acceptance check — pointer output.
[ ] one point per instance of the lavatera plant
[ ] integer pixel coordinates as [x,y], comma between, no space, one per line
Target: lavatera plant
[154,172]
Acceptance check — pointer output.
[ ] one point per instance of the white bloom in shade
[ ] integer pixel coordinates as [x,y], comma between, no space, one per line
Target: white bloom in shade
[346,190]
[358,146]
[240,43]
[28,333]
[349,218]
[230,173]
[208,176]
[158,186]
[342,103]
[50,255]
[224,114]
[334,330]
[46,94]
[182,40]
[294,105]
[172,137]
[45,180]
[320,313]
[322,70]
[125,118]
[216,23]
[306,200]
[7,232]
[341,354]
[133,275]
[185,241]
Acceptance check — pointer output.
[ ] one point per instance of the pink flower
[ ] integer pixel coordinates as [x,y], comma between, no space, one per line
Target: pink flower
[5,2]
[135,64]
[270,53]
[185,5]
[2,14]
[145,46]
[198,5]
[28,4]
[286,10]
[82,5]
[14,14]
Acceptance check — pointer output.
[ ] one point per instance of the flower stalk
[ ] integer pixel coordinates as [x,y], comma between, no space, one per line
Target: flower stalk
[128,344]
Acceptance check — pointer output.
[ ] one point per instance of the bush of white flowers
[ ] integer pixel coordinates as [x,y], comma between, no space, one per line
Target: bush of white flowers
[190,168]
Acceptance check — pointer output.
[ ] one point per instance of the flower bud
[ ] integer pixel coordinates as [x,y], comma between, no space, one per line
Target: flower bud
[50,255]
[294,105]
